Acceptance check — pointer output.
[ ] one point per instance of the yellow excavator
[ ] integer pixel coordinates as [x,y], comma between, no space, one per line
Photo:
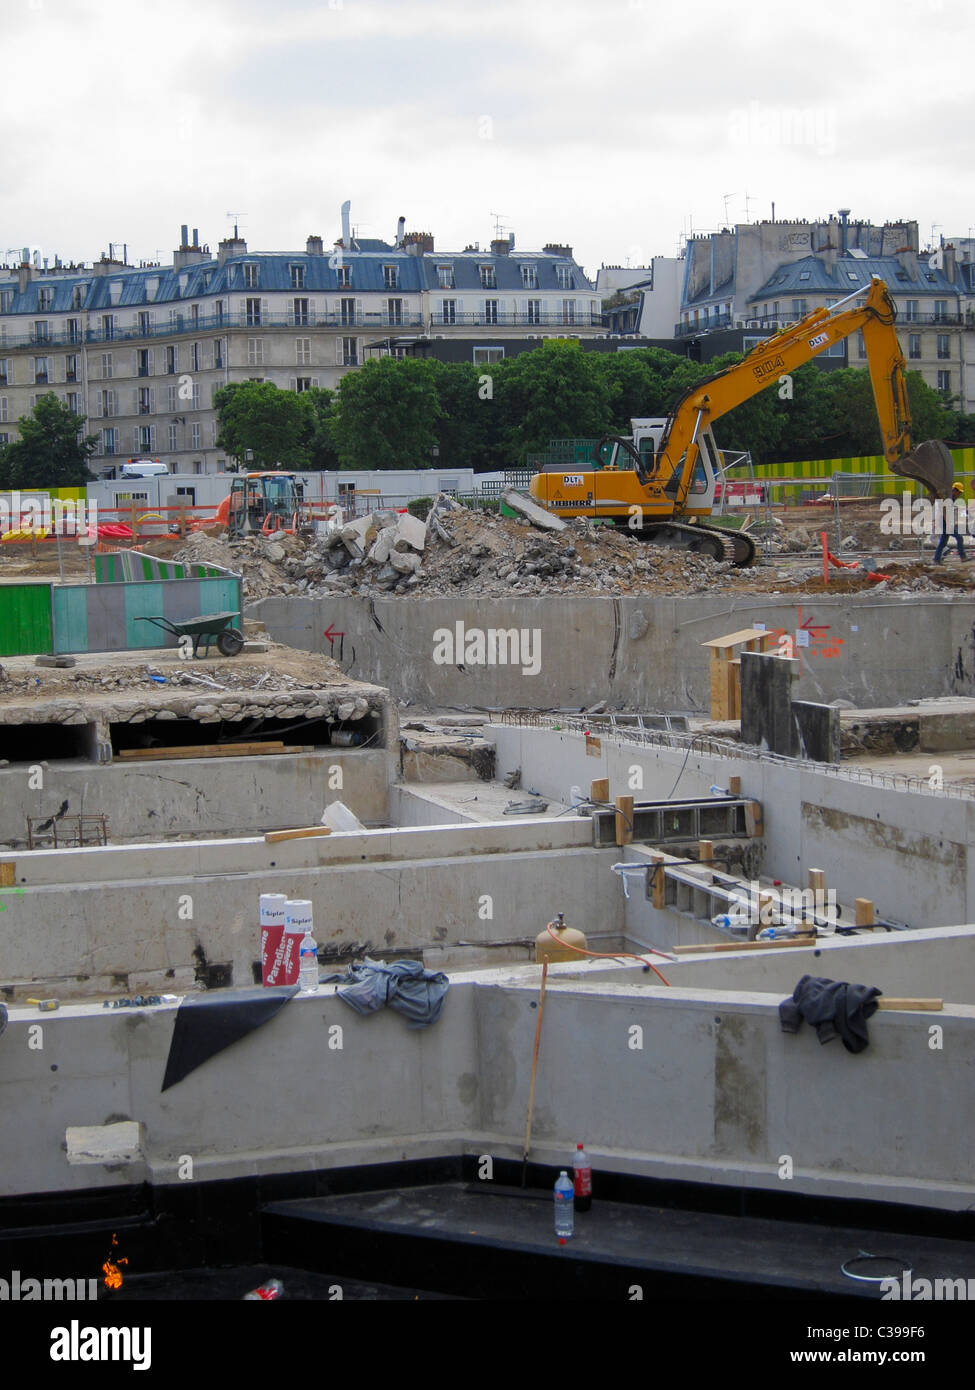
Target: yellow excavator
[664,487]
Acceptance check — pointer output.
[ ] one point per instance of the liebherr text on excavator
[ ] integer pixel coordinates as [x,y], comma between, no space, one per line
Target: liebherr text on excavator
[667,485]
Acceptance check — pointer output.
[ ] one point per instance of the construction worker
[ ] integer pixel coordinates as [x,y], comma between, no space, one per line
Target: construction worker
[957,506]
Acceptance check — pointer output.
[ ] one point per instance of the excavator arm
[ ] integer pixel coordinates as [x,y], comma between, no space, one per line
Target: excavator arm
[931,463]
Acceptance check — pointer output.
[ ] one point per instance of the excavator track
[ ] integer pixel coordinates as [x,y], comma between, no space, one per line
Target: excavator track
[733,546]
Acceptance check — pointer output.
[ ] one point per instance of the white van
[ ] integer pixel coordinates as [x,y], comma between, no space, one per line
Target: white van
[143,468]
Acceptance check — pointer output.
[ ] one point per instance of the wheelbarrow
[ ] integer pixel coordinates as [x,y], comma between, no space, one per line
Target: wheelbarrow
[211,628]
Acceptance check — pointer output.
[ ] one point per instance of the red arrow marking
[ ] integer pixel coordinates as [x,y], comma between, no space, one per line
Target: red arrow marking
[332,635]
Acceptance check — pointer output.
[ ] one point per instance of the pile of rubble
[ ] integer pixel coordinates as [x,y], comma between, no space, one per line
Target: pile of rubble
[458,551]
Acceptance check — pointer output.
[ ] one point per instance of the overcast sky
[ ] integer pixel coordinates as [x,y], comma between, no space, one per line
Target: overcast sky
[614,126]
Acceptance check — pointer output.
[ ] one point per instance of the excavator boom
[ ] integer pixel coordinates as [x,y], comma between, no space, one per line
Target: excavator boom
[931,464]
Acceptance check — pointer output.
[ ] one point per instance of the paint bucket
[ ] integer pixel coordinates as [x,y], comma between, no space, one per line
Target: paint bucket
[272,933]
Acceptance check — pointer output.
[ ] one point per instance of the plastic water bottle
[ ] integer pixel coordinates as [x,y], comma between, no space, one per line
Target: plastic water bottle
[564,1217]
[308,967]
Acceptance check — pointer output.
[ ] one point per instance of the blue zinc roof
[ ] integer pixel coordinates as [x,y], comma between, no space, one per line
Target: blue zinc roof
[55,293]
[812,275]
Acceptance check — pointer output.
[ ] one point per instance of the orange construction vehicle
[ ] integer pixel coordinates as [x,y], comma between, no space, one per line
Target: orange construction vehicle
[663,478]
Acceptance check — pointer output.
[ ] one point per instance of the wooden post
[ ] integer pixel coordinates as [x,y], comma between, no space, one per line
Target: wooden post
[817,880]
[624,820]
[659,882]
[865,916]
[705,851]
[765,903]
[8,873]
[599,790]
[734,786]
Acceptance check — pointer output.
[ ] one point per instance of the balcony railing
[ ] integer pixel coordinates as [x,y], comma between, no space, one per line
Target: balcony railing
[516,320]
[684,330]
[278,322]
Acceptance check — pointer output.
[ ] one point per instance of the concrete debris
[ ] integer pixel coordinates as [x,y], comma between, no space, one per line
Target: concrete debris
[537,515]
[461,552]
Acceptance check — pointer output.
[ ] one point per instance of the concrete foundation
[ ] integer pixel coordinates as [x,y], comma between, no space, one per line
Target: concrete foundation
[705,1087]
[638,652]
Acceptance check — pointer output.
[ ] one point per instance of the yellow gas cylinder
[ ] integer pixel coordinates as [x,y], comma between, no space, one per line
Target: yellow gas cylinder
[555,942]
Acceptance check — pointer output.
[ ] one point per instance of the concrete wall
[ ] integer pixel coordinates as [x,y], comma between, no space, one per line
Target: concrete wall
[199,796]
[144,917]
[704,1086]
[639,652]
[908,852]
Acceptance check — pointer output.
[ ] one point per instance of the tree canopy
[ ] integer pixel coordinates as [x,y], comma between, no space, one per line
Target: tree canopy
[52,450]
[393,413]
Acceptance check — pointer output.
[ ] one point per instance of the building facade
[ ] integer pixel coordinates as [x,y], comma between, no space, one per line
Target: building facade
[141,352]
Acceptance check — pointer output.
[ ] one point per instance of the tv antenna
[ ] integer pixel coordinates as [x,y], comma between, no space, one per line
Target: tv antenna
[498,227]
[725,197]
[235,216]
[748,199]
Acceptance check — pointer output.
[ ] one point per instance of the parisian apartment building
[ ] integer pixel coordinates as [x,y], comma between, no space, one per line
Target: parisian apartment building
[141,351]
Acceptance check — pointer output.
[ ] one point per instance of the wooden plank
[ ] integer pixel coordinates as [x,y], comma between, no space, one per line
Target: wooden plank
[734,786]
[624,820]
[8,873]
[733,639]
[930,1006]
[817,881]
[722,701]
[599,790]
[213,750]
[754,821]
[705,855]
[745,945]
[865,915]
[274,837]
[659,881]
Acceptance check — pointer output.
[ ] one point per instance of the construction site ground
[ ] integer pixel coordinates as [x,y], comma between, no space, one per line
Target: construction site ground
[490,555]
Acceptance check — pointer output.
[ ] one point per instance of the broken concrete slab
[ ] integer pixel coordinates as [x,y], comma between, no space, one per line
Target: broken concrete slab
[411,531]
[819,731]
[537,515]
[405,561]
[766,702]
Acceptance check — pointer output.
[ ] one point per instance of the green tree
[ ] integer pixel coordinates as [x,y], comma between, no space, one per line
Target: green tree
[553,392]
[468,427]
[385,415]
[52,451]
[272,424]
[931,415]
[319,405]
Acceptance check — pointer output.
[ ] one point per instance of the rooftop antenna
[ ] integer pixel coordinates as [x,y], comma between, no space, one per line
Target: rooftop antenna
[235,216]
[726,196]
[498,227]
[747,212]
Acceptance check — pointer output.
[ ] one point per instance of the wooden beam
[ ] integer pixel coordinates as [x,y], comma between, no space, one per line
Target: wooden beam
[274,837]
[865,915]
[624,820]
[817,882]
[745,945]
[659,881]
[931,1006]
[213,750]
[8,873]
[599,790]
[734,786]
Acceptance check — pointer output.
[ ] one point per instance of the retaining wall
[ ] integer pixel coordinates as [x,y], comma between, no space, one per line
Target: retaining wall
[637,652]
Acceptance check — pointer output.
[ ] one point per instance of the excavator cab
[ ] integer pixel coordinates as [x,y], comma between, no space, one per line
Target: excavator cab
[264,502]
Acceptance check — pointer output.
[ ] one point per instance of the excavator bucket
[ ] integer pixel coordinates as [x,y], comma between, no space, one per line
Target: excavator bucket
[931,464]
